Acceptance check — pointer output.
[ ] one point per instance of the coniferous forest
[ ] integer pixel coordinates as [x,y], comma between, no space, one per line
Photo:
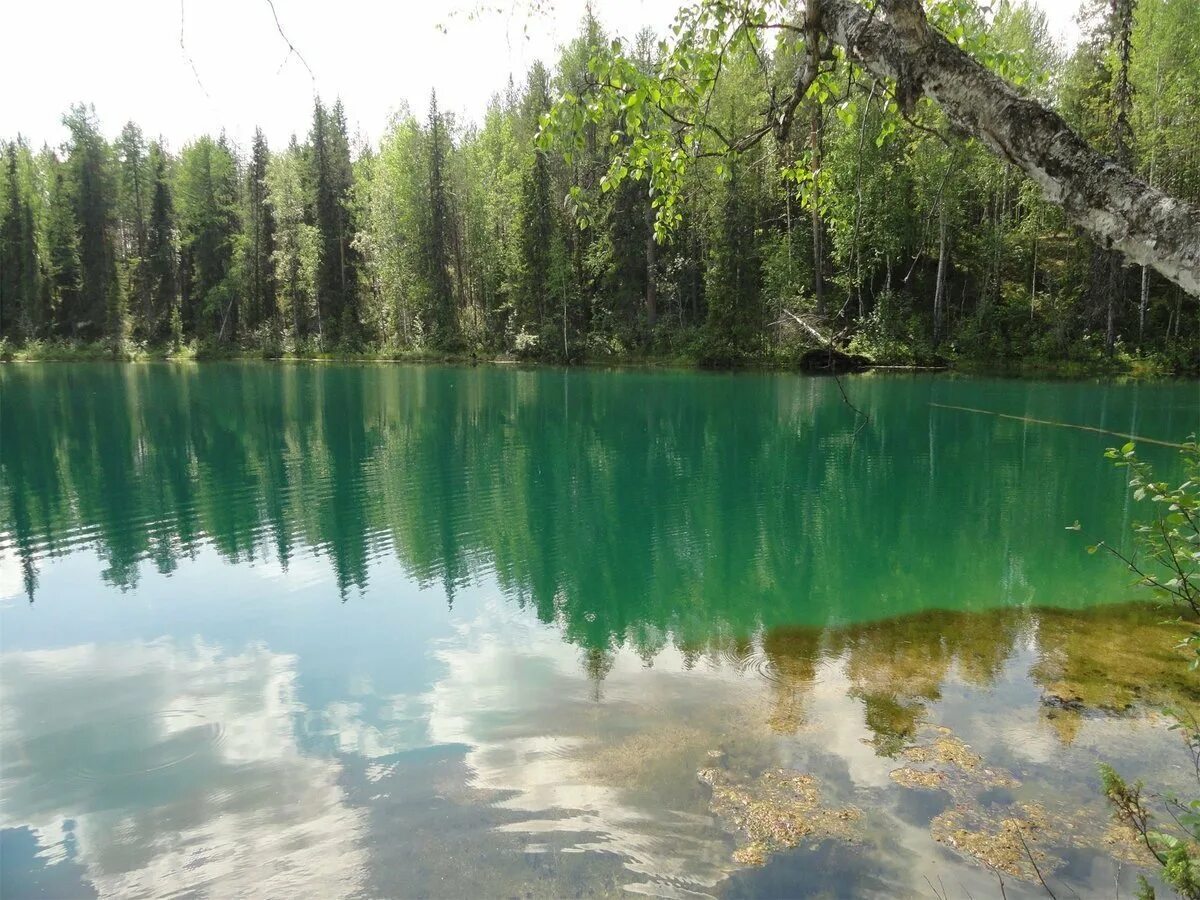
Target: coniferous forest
[892,228]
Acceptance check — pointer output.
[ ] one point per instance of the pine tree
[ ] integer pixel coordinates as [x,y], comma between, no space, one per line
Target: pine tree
[734,285]
[63,268]
[341,171]
[297,244]
[537,213]
[33,313]
[333,179]
[11,301]
[207,204]
[260,237]
[90,183]
[444,320]
[161,264]
[131,212]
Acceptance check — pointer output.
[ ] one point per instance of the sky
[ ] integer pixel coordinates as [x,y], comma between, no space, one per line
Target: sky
[233,70]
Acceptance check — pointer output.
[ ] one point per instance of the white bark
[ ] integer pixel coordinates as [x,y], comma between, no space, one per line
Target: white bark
[1118,210]
[939,293]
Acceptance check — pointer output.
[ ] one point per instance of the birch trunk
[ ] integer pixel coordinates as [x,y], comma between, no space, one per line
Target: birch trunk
[939,293]
[1119,210]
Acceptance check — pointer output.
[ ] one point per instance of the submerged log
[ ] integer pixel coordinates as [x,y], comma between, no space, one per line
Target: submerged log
[827,359]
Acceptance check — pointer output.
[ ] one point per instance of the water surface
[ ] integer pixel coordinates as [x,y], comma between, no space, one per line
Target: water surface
[423,631]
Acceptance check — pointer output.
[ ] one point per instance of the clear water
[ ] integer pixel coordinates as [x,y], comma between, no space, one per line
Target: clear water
[430,631]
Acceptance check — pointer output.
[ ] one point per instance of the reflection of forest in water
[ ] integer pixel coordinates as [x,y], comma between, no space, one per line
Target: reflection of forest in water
[730,517]
[733,572]
[629,508]
[1107,661]
[513,750]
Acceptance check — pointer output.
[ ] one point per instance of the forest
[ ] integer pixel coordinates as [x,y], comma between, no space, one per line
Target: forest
[877,219]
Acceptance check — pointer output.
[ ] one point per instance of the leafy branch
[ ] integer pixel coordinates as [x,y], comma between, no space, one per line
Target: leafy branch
[1171,568]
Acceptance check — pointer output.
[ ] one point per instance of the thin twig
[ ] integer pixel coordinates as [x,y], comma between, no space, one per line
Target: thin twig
[1033,863]
[291,47]
[937,204]
[865,418]
[188,56]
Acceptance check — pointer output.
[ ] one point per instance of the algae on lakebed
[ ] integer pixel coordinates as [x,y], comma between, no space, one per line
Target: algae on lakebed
[1112,661]
[1004,843]
[777,810]
[1014,837]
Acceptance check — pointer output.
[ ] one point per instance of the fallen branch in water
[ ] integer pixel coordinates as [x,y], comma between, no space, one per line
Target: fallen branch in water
[1092,428]
[828,342]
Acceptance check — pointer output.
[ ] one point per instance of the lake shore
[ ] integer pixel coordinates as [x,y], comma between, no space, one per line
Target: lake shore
[1122,365]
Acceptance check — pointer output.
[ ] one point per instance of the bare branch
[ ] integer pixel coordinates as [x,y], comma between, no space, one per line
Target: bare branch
[291,47]
[188,56]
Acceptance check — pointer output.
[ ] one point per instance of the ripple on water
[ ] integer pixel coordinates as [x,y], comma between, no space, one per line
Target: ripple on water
[136,746]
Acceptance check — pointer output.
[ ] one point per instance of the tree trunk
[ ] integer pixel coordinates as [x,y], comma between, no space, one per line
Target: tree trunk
[1033,275]
[939,292]
[1143,301]
[1118,210]
[651,285]
[1114,287]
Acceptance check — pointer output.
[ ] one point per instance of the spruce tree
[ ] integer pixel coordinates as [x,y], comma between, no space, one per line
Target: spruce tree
[21,313]
[10,246]
[333,179]
[537,212]
[90,182]
[161,265]
[260,237]
[207,203]
[131,211]
[444,321]
[63,268]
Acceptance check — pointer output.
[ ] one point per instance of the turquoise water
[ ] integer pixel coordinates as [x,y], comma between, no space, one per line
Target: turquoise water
[432,631]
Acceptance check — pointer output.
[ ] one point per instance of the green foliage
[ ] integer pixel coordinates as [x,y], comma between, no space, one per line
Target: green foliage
[1170,543]
[1170,566]
[337,263]
[629,197]
[207,203]
[257,246]
[89,184]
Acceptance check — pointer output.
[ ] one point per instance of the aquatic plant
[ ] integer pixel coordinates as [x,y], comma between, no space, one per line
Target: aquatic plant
[777,810]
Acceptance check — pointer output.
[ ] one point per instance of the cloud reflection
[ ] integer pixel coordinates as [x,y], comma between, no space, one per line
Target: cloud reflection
[170,768]
[518,697]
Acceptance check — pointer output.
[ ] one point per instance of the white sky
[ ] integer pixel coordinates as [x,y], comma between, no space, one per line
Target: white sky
[125,57]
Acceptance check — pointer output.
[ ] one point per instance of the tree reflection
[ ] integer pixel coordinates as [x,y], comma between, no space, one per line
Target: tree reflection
[633,510]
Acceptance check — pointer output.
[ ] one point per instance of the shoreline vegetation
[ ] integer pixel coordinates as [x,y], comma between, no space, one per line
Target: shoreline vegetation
[577,222]
[1124,365]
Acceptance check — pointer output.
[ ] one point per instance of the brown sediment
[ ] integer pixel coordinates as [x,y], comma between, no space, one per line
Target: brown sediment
[1121,842]
[1009,845]
[948,760]
[775,811]
[1095,828]
[647,756]
[1111,660]
[917,778]
[1008,841]
[945,750]
[1118,661]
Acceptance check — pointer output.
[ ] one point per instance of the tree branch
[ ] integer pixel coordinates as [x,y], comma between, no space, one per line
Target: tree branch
[1119,210]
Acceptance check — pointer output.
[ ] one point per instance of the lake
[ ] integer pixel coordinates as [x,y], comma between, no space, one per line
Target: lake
[339,630]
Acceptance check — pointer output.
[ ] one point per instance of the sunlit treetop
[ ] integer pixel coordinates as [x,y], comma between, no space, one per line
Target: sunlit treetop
[659,113]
